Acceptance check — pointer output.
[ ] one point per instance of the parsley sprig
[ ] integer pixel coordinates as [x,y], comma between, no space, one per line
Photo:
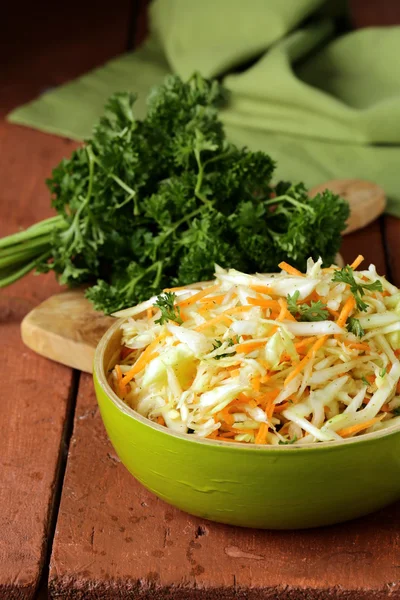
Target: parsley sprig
[316,311]
[354,326]
[346,275]
[169,312]
[154,202]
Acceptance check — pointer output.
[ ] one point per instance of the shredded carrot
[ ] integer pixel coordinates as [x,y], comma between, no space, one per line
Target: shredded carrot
[146,356]
[256,383]
[284,312]
[289,269]
[332,312]
[237,309]
[310,298]
[281,407]
[385,293]
[125,352]
[301,365]
[196,297]
[346,431]
[149,313]
[261,437]
[249,346]
[304,342]
[262,289]
[358,345]
[176,289]
[211,302]
[265,378]
[267,402]
[227,417]
[346,310]
[370,378]
[121,387]
[160,420]
[357,261]
[226,435]
[213,435]
[235,373]
[274,304]
[214,321]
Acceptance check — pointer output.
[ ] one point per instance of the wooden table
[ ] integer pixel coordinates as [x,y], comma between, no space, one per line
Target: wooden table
[70,513]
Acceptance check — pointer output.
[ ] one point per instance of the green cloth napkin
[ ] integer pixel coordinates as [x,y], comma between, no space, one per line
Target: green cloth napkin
[322,107]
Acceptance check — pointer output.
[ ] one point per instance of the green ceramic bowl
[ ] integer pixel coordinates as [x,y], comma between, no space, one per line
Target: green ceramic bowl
[284,487]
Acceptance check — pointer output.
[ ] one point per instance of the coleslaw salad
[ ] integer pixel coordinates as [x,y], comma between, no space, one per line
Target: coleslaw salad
[287,358]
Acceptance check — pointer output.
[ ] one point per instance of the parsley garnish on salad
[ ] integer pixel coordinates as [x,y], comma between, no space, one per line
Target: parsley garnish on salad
[346,275]
[354,326]
[315,311]
[288,380]
[169,312]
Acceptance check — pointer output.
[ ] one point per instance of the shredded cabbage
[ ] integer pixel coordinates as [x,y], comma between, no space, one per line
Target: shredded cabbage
[245,366]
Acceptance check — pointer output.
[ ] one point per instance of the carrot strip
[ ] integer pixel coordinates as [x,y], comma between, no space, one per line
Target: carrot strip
[198,296]
[346,431]
[160,420]
[304,342]
[311,297]
[213,300]
[284,312]
[346,310]
[301,365]
[249,346]
[289,269]
[214,321]
[357,261]
[146,356]
[149,313]
[176,289]
[261,437]
[237,309]
[281,407]
[256,383]
[357,345]
[332,312]
[235,373]
[227,417]
[274,304]
[262,289]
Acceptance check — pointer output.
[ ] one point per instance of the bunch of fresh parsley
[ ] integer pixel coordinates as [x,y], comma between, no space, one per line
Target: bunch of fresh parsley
[151,203]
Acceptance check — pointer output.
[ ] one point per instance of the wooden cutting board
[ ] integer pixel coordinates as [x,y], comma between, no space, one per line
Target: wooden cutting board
[66,328]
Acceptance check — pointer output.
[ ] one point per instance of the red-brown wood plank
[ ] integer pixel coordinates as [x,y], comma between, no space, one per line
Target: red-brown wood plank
[41,46]
[392,238]
[34,392]
[115,540]
[368,242]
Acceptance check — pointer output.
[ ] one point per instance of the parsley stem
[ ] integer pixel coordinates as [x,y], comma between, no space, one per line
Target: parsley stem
[39,229]
[15,275]
[288,199]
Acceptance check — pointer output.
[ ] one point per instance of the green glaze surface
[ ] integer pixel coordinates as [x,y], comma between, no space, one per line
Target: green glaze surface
[285,487]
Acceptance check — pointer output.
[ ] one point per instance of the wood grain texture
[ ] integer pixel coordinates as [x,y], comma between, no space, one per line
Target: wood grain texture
[40,46]
[34,394]
[65,328]
[115,540]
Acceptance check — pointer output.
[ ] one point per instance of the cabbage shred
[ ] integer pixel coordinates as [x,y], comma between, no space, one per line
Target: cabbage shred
[288,358]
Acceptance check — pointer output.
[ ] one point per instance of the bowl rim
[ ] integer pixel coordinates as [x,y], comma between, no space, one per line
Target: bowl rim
[99,373]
